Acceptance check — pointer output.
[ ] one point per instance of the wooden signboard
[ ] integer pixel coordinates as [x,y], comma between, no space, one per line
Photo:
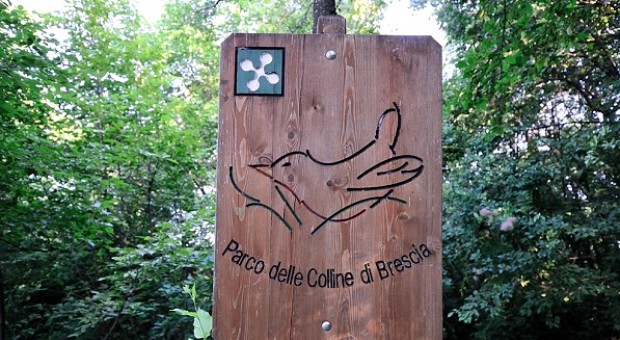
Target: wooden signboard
[329,188]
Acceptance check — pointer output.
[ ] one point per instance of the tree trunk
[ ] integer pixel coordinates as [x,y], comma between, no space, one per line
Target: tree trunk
[322,7]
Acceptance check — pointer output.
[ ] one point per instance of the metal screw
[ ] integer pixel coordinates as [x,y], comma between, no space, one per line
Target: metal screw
[331,55]
[326,326]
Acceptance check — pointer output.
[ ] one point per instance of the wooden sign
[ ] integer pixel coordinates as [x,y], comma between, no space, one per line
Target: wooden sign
[329,188]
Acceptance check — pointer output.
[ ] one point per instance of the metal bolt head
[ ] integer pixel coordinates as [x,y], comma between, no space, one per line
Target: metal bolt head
[326,326]
[331,55]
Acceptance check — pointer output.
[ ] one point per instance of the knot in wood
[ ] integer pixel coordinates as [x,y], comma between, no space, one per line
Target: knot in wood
[337,183]
[403,216]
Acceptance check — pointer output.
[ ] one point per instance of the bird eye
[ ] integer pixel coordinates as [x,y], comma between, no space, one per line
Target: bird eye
[286,164]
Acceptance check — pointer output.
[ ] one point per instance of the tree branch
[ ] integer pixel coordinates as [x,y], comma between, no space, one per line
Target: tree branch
[132,289]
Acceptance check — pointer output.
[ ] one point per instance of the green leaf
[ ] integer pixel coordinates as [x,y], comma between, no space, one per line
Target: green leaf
[202,324]
[184,312]
[187,290]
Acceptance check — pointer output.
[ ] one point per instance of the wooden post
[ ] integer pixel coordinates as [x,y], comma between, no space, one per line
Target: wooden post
[322,8]
[331,24]
[329,188]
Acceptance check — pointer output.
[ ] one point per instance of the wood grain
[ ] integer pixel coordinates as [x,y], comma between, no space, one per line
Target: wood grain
[330,110]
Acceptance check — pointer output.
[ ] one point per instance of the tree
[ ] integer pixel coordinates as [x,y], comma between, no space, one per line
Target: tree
[26,129]
[531,220]
[109,158]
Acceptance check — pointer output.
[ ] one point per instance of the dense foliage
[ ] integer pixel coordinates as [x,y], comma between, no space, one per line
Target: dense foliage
[107,161]
[532,170]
